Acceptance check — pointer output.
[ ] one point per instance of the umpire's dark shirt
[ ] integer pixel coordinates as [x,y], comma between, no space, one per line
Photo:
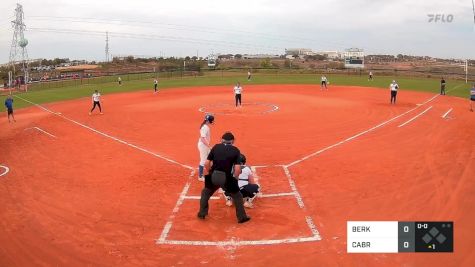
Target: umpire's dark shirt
[224,157]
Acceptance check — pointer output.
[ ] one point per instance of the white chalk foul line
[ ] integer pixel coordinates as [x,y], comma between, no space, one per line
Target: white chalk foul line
[5,170]
[106,135]
[359,134]
[41,130]
[415,117]
[447,113]
[168,225]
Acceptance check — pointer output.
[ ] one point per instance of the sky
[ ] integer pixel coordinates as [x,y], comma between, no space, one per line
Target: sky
[76,29]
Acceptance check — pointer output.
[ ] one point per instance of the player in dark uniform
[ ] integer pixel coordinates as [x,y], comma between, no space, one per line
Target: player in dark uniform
[472,97]
[223,167]
[9,106]
[442,86]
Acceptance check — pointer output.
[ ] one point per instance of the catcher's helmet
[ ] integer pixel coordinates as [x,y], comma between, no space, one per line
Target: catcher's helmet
[242,159]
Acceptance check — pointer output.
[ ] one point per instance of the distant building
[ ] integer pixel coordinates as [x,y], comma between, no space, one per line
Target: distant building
[301,52]
[331,54]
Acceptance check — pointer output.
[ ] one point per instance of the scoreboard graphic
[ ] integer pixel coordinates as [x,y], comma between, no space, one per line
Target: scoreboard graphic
[395,237]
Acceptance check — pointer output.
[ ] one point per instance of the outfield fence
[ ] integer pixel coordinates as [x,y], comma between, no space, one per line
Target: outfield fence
[453,74]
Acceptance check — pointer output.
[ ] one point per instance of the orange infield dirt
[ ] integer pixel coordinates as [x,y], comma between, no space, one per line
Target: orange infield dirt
[115,189]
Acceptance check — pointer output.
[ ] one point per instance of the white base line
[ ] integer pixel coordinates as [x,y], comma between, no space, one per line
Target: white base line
[168,225]
[41,130]
[6,170]
[199,197]
[359,134]
[240,242]
[106,135]
[415,117]
[447,113]
[259,196]
[254,173]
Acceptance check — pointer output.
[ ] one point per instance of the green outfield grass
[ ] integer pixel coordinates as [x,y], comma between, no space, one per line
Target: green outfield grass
[455,88]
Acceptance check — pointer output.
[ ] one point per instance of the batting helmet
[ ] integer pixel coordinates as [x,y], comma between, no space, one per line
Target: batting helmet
[209,118]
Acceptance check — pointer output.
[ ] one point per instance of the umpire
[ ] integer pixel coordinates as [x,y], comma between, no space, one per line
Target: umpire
[223,166]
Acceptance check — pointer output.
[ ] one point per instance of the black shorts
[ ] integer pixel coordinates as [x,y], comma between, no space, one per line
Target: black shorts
[324,83]
[393,93]
[472,98]
[250,190]
[10,111]
[230,184]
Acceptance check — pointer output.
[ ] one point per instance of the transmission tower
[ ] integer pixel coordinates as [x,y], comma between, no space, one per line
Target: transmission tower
[107,46]
[18,52]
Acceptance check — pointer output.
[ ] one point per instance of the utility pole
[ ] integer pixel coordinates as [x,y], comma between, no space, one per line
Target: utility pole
[466,70]
[18,52]
[107,46]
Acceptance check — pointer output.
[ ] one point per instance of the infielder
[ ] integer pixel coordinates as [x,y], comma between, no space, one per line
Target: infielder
[393,87]
[237,94]
[96,101]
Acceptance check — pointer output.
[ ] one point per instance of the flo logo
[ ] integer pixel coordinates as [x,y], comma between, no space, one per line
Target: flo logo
[442,18]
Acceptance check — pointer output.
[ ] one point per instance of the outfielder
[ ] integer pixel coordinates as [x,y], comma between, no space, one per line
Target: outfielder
[472,97]
[324,81]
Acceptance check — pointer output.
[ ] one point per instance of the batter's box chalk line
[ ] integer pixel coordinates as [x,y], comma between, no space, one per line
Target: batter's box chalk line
[315,235]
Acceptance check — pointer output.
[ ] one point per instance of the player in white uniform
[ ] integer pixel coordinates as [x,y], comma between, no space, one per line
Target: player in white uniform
[370,77]
[393,87]
[204,143]
[96,101]
[324,82]
[120,81]
[237,94]
[249,189]
[248,75]
[155,86]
